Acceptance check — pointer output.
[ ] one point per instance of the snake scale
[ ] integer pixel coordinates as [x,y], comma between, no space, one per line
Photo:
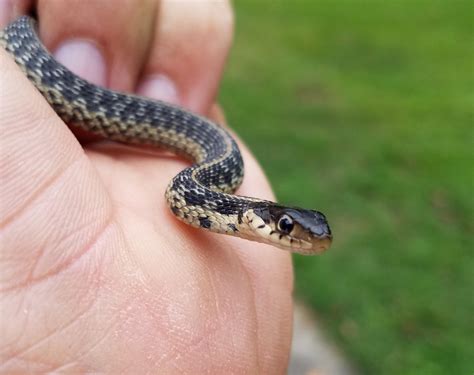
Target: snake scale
[201,195]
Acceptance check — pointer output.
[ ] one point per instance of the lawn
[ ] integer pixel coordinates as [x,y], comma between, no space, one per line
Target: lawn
[364,110]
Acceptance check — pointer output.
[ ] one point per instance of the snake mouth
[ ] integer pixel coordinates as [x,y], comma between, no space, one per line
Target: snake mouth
[320,244]
[310,246]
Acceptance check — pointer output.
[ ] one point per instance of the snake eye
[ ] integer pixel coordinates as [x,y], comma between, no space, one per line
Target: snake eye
[285,224]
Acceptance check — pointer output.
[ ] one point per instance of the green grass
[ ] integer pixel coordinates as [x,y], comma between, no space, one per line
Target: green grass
[364,110]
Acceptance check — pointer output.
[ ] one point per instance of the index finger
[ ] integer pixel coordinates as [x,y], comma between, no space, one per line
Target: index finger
[190,47]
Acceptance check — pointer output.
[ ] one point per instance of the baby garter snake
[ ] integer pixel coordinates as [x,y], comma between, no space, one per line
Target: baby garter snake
[202,194]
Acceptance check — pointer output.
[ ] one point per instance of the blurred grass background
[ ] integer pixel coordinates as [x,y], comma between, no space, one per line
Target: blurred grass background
[364,110]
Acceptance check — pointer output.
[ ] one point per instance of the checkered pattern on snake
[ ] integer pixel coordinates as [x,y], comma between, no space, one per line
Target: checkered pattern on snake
[201,195]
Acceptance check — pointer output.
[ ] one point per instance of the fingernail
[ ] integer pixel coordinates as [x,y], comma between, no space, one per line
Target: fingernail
[83,58]
[6,11]
[159,87]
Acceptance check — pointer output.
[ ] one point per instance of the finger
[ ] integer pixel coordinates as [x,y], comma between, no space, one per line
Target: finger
[11,9]
[191,43]
[105,41]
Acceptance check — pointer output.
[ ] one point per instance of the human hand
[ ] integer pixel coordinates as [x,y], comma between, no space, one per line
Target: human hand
[97,275]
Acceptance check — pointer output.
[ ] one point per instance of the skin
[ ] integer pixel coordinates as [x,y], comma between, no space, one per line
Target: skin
[96,273]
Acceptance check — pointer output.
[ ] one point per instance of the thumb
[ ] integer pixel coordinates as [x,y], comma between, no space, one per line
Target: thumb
[52,204]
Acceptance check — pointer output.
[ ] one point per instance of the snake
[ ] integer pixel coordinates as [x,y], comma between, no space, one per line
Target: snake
[201,195]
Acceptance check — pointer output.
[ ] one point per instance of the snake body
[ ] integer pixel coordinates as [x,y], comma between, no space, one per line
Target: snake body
[201,195]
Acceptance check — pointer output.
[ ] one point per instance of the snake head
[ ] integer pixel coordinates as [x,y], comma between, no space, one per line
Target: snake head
[295,229]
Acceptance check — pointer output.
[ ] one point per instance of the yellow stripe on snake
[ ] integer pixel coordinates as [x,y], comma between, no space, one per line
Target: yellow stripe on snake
[201,195]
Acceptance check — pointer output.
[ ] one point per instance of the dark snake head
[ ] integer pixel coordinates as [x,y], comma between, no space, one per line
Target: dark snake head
[295,229]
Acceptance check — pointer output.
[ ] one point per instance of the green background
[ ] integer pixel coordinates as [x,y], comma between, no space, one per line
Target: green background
[364,110]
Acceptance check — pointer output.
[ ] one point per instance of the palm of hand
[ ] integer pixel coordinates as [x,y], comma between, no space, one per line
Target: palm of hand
[98,273]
